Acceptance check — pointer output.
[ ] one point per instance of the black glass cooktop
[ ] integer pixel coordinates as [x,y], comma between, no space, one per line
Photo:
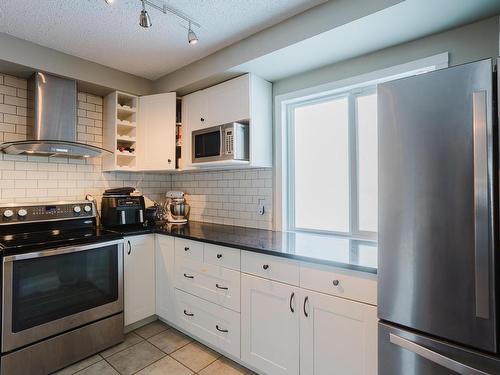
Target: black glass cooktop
[17,242]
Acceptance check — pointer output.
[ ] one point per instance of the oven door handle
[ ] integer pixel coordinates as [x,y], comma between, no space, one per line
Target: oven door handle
[60,250]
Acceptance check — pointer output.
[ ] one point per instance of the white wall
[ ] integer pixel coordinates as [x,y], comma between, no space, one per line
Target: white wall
[18,53]
[468,43]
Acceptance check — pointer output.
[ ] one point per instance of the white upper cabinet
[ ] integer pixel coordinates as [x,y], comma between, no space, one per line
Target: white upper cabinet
[248,99]
[140,131]
[156,132]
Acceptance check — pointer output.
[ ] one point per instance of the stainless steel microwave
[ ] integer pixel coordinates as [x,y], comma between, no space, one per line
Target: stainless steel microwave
[221,143]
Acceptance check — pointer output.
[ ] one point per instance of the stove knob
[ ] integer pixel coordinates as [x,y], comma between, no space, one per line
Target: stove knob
[87,208]
[22,212]
[8,213]
[77,209]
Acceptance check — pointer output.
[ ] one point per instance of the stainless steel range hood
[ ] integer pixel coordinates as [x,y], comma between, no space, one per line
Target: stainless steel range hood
[52,111]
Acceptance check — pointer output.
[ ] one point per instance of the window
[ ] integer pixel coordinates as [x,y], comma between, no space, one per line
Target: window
[326,154]
[332,164]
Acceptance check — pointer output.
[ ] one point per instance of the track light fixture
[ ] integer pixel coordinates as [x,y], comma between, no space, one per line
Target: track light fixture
[192,38]
[144,19]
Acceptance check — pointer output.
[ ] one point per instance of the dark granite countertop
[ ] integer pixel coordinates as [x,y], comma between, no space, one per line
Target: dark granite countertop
[330,250]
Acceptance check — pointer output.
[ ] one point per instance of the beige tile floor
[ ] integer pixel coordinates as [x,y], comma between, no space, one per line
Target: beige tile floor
[156,349]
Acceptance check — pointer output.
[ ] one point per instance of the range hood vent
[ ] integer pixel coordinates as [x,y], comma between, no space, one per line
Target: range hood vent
[52,111]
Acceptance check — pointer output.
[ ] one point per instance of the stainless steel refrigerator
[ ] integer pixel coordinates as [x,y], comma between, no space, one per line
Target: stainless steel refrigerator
[438,223]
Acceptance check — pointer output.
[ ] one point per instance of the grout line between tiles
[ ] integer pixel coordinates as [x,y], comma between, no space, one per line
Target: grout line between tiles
[77,371]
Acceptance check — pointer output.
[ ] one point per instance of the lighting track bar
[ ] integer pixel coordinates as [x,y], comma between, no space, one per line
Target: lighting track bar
[165,9]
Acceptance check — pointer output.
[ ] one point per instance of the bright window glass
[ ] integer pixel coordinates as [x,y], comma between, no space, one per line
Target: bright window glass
[321,166]
[366,114]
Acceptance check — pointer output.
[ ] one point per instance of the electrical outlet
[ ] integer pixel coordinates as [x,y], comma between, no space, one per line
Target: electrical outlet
[262,207]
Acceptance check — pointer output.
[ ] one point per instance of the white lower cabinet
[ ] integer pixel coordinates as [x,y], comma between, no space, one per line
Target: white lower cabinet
[337,336]
[139,278]
[270,325]
[210,322]
[213,283]
[164,261]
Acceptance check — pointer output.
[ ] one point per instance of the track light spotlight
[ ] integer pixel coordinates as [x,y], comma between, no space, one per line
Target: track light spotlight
[192,38]
[144,19]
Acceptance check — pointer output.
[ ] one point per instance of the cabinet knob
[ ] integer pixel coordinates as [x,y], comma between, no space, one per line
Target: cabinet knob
[265,266]
[186,248]
[202,119]
[335,282]
[219,256]
[188,314]
[169,161]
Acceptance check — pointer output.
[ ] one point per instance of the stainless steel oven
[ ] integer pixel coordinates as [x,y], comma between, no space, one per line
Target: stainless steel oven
[48,292]
[221,143]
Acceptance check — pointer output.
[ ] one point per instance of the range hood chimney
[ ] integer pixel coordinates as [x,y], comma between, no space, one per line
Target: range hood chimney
[52,112]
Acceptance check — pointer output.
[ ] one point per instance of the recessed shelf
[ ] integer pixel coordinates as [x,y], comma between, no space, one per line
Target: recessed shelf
[127,124]
[124,154]
[128,109]
[125,139]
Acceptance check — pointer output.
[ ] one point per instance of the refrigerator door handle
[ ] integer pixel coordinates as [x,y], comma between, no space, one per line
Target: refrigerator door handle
[481,204]
[432,356]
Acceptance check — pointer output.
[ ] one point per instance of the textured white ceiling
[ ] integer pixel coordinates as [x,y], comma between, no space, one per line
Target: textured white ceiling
[110,35]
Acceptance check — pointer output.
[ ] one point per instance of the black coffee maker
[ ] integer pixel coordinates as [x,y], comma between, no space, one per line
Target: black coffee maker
[120,208]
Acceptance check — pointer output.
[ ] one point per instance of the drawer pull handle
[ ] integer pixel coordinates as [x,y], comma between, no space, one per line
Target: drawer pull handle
[265,266]
[335,282]
[305,303]
[188,276]
[129,248]
[221,287]
[219,256]
[188,314]
[186,248]
[221,330]
[292,296]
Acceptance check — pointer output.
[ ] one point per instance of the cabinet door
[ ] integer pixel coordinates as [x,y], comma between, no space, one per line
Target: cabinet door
[194,111]
[337,336]
[164,261]
[156,132]
[139,278]
[269,325]
[228,101]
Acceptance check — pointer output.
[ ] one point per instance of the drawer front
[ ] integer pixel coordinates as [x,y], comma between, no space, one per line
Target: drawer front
[270,267]
[188,249]
[222,256]
[212,323]
[213,283]
[342,283]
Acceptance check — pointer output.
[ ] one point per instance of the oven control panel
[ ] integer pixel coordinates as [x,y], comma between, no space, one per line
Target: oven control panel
[36,212]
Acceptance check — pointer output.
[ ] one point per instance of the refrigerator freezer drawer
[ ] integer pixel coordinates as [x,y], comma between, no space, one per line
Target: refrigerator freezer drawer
[405,352]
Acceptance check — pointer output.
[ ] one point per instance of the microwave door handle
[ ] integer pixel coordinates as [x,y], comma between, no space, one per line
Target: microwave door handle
[141,216]
[222,141]
[122,217]
[439,359]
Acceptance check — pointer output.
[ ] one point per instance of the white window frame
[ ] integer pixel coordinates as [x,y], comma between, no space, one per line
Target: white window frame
[351,87]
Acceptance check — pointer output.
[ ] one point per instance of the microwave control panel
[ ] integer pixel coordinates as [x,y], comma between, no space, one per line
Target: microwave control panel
[228,141]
